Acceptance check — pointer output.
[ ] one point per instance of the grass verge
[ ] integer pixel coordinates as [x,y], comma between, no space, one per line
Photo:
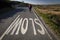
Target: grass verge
[53,21]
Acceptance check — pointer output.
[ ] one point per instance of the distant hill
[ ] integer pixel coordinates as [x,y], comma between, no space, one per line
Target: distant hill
[4,4]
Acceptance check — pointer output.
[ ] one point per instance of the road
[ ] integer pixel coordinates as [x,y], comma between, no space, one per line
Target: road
[21,24]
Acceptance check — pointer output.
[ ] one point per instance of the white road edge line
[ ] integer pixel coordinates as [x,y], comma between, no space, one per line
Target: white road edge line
[9,28]
[41,23]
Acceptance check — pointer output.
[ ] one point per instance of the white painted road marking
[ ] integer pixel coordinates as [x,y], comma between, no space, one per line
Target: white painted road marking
[33,26]
[42,25]
[20,23]
[15,27]
[17,32]
[8,28]
[23,31]
[12,27]
[42,29]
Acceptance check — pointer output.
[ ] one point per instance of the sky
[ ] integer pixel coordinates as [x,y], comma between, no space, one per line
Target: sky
[40,1]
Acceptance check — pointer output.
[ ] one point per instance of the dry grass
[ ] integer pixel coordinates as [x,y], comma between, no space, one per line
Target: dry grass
[49,11]
[51,18]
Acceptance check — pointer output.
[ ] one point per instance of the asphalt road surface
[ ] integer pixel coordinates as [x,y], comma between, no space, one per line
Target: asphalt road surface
[21,24]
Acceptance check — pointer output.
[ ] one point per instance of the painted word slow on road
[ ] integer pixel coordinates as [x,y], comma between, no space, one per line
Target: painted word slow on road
[19,24]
